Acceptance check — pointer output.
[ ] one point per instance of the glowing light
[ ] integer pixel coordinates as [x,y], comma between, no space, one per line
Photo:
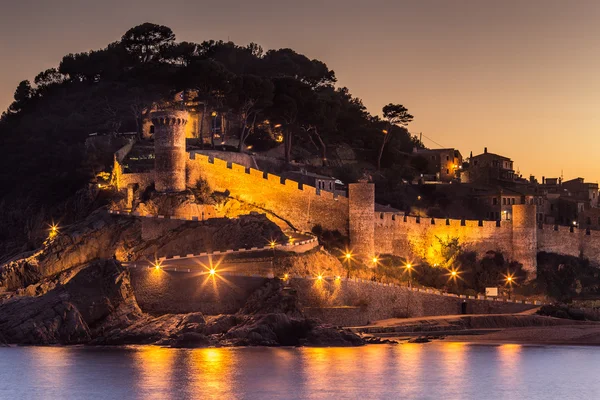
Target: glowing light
[272,243]
[212,271]
[320,277]
[375,260]
[509,279]
[418,197]
[53,231]
[286,277]
[277,126]
[385,132]
[574,223]
[453,273]
[348,256]
[408,266]
[337,278]
[157,265]
[214,114]
[249,147]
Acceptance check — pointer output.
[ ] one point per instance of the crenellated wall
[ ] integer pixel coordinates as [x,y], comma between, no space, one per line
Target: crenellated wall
[570,241]
[423,238]
[302,206]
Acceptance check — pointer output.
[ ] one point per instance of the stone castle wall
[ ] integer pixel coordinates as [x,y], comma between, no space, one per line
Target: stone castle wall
[351,303]
[424,238]
[302,206]
[569,241]
[345,303]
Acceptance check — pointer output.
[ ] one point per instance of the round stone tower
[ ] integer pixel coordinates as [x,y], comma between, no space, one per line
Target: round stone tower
[361,218]
[524,237]
[169,150]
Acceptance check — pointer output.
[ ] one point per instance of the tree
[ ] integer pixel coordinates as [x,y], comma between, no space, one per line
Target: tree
[22,96]
[290,108]
[250,95]
[395,115]
[320,116]
[288,63]
[212,82]
[148,42]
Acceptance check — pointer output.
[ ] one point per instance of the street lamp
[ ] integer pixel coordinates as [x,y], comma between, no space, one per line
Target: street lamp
[510,280]
[212,271]
[409,267]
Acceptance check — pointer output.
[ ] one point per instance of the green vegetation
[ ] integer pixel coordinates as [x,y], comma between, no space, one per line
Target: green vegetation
[565,278]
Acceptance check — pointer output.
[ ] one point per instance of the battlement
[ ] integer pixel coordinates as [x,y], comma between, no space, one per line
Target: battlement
[392,218]
[303,206]
[276,180]
[169,118]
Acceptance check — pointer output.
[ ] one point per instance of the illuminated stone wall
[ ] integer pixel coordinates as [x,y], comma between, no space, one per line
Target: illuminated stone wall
[361,225]
[350,303]
[570,241]
[302,206]
[524,237]
[169,149]
[423,238]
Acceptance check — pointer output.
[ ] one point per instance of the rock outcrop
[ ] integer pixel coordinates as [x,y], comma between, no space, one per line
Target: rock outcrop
[103,236]
[95,304]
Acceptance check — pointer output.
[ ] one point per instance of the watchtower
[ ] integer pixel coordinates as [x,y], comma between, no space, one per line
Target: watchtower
[169,150]
[361,215]
[524,237]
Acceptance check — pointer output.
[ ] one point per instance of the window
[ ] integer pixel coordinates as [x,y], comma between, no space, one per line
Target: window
[151,128]
[504,200]
[447,158]
[513,200]
[447,171]
[494,201]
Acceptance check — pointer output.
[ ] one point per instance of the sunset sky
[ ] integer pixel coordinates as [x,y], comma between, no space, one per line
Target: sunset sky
[520,77]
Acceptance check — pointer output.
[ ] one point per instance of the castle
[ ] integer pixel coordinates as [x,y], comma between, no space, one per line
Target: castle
[371,233]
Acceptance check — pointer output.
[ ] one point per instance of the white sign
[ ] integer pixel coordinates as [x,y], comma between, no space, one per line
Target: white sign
[491,291]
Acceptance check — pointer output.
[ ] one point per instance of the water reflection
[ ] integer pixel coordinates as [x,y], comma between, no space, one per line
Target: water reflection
[155,367]
[210,372]
[413,371]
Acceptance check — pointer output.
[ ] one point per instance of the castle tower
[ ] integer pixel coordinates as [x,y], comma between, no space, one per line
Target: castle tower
[169,149]
[361,212]
[524,237]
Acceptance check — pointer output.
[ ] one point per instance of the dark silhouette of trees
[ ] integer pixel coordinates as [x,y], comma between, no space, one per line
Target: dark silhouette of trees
[43,161]
[148,42]
[395,115]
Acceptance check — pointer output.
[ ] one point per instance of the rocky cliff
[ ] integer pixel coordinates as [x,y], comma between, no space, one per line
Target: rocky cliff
[104,236]
[95,304]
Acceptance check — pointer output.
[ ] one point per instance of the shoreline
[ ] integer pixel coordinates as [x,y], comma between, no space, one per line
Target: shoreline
[564,335]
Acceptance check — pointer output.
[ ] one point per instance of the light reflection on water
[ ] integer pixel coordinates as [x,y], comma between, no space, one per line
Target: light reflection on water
[410,371]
